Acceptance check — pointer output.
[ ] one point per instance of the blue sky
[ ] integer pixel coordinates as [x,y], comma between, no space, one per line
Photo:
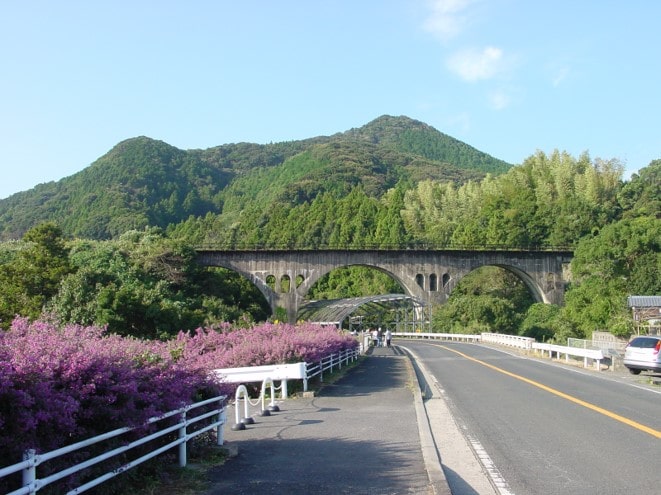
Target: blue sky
[508,77]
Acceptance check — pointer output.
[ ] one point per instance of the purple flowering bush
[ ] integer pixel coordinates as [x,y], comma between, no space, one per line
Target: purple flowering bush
[260,345]
[61,385]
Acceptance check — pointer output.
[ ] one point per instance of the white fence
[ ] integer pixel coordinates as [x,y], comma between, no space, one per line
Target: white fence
[284,372]
[509,340]
[526,343]
[31,460]
[252,374]
[438,336]
[329,363]
[595,354]
[281,372]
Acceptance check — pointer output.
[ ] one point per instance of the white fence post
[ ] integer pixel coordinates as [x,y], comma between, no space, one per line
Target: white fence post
[30,472]
[220,429]
[305,378]
[182,437]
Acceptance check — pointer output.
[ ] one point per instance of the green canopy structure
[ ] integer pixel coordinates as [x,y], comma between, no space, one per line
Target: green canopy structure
[403,313]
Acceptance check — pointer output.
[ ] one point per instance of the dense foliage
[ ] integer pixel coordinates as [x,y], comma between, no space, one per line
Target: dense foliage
[226,346]
[145,285]
[32,272]
[547,201]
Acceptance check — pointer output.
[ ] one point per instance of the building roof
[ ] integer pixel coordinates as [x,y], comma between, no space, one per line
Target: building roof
[644,301]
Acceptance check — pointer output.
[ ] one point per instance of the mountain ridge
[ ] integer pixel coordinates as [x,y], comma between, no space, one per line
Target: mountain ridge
[143,182]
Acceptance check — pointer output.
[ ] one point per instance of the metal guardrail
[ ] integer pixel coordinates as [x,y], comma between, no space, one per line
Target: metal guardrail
[438,336]
[595,354]
[526,343]
[509,340]
[253,374]
[329,363]
[31,484]
[282,372]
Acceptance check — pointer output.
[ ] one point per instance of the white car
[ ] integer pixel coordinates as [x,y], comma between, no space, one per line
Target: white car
[643,354]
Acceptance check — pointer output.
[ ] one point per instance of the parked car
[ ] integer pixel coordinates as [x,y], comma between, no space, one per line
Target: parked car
[643,354]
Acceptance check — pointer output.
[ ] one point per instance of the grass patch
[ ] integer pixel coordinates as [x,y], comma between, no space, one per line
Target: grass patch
[203,454]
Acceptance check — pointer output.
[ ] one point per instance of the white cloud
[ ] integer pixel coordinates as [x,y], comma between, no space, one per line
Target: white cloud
[475,65]
[499,100]
[446,19]
[560,75]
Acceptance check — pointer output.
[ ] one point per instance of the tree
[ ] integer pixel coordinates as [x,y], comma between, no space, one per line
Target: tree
[34,274]
[489,299]
[147,285]
[541,321]
[642,195]
[623,258]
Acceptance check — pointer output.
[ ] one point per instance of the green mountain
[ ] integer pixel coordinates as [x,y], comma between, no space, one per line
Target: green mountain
[144,182]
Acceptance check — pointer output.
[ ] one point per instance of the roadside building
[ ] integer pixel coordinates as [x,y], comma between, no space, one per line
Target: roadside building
[646,312]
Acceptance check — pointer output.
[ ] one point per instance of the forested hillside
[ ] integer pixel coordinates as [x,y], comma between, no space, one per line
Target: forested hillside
[142,182]
[119,247]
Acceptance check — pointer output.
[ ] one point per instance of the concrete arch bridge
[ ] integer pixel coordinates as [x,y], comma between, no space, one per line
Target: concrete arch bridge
[286,276]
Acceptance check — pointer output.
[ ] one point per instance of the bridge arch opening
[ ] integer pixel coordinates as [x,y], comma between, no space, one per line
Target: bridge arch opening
[270,282]
[490,298]
[445,280]
[285,284]
[429,282]
[507,280]
[363,281]
[354,281]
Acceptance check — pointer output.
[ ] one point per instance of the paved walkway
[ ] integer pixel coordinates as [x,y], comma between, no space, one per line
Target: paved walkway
[358,436]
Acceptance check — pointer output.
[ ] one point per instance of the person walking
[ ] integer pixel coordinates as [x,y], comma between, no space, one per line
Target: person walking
[388,337]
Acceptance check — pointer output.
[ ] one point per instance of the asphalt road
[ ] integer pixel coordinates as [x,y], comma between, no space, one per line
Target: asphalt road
[542,428]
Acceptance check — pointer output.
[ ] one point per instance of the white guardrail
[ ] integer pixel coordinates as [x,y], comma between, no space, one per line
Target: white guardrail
[253,374]
[268,374]
[438,336]
[595,354]
[526,343]
[284,372]
[31,460]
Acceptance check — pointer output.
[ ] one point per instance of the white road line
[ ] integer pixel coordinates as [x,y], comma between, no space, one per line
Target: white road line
[491,469]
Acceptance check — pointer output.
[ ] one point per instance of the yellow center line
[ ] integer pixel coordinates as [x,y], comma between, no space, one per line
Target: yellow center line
[600,410]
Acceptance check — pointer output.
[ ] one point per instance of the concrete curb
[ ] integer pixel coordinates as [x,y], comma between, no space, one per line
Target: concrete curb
[429,449]
[461,459]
